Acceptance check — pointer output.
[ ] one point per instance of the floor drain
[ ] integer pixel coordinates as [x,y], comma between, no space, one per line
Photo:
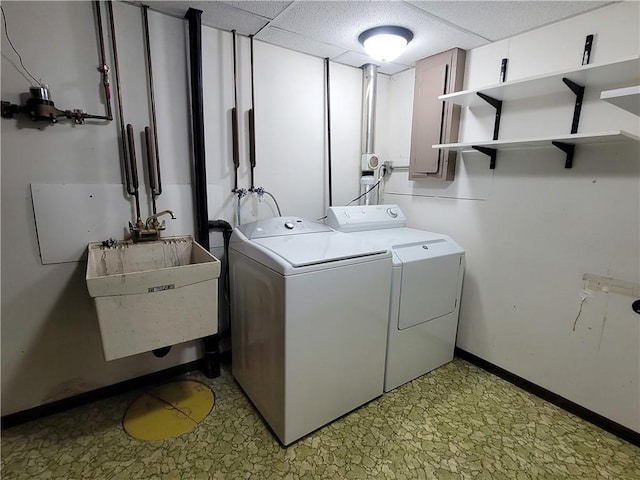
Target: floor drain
[168,410]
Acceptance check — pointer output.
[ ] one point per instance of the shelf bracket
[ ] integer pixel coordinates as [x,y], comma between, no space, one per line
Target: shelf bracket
[567,148]
[491,152]
[579,91]
[497,104]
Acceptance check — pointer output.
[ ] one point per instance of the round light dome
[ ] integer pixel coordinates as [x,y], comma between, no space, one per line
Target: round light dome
[385,43]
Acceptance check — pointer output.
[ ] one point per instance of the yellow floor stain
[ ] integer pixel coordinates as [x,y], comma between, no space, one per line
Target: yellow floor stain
[168,410]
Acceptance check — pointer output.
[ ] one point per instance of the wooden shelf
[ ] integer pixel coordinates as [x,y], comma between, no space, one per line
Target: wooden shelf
[626,98]
[626,71]
[612,136]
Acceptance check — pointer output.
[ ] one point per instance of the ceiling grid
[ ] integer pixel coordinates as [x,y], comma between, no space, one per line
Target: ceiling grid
[331,28]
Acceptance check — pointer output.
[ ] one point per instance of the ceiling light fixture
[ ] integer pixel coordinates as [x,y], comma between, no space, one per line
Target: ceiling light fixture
[385,43]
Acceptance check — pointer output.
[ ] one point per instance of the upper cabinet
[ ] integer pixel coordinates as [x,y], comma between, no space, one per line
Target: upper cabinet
[435,121]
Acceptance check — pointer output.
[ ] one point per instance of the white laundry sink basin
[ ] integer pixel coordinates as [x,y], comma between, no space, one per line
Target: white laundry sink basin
[152,294]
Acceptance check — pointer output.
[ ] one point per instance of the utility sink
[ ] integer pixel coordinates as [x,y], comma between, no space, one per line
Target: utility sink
[152,294]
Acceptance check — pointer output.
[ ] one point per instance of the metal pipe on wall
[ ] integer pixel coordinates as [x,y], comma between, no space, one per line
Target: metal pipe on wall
[151,134]
[369,97]
[124,137]
[104,68]
[211,360]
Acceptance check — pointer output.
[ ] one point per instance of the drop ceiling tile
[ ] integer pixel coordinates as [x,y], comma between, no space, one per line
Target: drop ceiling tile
[267,9]
[331,28]
[340,23]
[496,20]
[299,43]
[214,14]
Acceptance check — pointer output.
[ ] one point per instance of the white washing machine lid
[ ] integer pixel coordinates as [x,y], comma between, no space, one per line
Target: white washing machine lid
[318,248]
[305,247]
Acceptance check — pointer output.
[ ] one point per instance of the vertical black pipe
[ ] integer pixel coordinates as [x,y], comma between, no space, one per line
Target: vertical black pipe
[235,121]
[252,124]
[211,361]
[329,161]
[197,114]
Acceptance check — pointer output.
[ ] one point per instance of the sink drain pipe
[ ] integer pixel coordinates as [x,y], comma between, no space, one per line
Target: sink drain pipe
[211,361]
[226,229]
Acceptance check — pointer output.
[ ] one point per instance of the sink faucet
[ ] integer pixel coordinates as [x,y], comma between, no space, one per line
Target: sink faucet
[150,230]
[152,222]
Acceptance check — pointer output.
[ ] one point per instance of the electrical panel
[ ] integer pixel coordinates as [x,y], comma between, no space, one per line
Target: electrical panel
[435,121]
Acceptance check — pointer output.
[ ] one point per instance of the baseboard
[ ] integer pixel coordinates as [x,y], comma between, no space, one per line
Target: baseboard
[58,406]
[596,419]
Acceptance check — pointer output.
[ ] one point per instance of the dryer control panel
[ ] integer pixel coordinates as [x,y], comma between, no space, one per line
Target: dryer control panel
[365,217]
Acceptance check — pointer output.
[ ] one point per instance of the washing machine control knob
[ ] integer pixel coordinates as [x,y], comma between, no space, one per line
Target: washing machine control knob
[288,225]
[392,212]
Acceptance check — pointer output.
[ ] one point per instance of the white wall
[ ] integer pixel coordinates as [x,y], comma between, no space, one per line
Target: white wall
[50,341]
[291,133]
[531,228]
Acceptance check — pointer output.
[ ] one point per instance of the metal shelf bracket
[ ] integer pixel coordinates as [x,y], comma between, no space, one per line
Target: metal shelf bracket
[497,104]
[491,152]
[569,149]
[579,92]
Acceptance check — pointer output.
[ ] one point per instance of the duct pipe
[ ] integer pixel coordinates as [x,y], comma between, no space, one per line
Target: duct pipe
[211,361]
[369,157]
[369,94]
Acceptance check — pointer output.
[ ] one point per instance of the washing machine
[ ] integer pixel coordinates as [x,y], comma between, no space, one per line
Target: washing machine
[427,273]
[309,321]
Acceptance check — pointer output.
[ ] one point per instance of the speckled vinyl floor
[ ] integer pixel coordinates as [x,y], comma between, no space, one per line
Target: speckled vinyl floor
[457,422]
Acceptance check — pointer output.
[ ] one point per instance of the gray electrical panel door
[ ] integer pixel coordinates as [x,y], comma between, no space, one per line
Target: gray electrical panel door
[435,121]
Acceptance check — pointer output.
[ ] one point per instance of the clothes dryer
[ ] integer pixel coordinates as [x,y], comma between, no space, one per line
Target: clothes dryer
[425,291]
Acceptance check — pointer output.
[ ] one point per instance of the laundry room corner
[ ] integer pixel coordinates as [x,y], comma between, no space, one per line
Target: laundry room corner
[534,231]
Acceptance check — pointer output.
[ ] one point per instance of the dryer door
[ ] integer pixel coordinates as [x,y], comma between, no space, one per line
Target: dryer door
[429,281]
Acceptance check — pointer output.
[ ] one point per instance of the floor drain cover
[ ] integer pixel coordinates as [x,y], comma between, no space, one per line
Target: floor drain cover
[168,410]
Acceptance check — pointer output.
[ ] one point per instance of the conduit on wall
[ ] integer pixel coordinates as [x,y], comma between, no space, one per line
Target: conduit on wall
[252,124]
[235,123]
[328,97]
